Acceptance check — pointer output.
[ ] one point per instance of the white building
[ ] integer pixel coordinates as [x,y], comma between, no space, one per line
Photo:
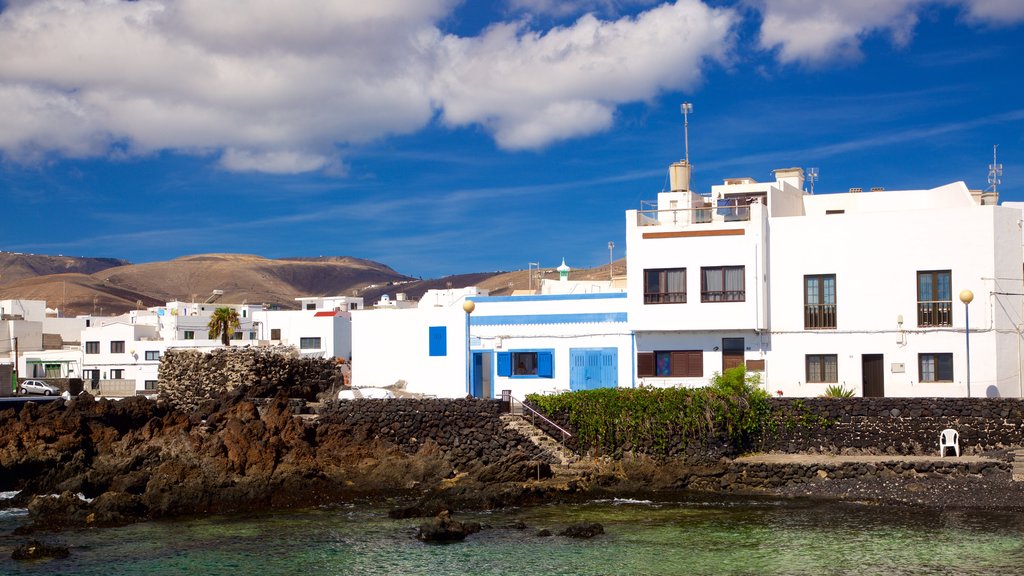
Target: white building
[859,290]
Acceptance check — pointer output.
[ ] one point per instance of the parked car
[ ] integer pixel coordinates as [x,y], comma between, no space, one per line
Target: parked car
[38,387]
[353,393]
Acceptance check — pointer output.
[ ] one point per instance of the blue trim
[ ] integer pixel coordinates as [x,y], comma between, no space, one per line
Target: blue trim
[590,318]
[549,297]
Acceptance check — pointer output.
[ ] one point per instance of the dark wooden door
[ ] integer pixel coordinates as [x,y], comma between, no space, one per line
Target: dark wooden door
[873,375]
[732,353]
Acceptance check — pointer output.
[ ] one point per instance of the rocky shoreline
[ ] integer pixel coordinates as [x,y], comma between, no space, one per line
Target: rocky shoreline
[111,463]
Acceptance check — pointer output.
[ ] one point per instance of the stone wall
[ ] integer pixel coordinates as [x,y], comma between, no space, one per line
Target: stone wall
[895,425]
[188,377]
[857,426]
[469,431]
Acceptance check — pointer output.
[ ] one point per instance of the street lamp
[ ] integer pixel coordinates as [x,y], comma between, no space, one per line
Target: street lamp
[611,246]
[468,306]
[966,296]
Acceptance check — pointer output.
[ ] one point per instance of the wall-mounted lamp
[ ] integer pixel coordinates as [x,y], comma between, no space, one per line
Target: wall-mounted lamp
[715,348]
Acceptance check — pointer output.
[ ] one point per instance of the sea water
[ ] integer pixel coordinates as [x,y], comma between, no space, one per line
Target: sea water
[644,537]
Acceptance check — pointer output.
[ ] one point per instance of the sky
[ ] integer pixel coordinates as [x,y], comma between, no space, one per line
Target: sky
[443,137]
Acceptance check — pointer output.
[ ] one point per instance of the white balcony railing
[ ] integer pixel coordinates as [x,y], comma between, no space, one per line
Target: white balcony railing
[726,210]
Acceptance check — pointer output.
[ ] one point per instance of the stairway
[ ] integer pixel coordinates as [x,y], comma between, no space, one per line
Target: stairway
[559,454]
[1018,466]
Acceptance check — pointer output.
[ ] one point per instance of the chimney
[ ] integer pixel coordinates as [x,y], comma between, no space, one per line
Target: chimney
[792,176]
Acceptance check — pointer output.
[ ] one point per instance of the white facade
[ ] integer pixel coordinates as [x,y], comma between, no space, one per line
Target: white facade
[859,290]
[559,339]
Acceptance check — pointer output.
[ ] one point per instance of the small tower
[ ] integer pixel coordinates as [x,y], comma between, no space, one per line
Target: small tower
[563,272]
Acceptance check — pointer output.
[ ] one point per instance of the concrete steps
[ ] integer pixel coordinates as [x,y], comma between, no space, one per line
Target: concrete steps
[1018,466]
[559,454]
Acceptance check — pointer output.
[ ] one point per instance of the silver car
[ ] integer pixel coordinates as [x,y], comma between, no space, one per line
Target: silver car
[38,387]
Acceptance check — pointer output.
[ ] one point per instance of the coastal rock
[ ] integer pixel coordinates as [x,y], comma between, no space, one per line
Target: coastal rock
[443,529]
[36,550]
[583,530]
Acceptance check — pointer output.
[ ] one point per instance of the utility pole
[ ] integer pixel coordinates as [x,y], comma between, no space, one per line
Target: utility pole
[611,247]
[14,385]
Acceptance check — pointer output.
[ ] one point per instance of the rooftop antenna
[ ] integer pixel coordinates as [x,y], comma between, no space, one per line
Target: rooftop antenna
[995,170]
[686,108]
[812,177]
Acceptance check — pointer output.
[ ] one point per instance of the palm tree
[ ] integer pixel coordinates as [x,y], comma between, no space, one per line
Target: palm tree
[223,324]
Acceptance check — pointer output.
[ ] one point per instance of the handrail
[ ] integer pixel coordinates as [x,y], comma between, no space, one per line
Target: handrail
[533,413]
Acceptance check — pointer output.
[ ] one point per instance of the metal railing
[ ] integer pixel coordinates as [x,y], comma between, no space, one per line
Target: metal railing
[726,211]
[935,313]
[507,396]
[819,316]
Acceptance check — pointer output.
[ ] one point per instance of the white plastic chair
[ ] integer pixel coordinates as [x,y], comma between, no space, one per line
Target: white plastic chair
[949,438]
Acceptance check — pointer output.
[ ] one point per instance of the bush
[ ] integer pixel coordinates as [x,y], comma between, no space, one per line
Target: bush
[733,407]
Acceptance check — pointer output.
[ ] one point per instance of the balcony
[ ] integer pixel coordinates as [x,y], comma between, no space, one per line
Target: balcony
[935,313]
[817,316]
[727,210]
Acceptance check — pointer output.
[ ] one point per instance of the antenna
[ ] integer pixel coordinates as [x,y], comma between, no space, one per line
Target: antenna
[995,170]
[812,177]
[686,108]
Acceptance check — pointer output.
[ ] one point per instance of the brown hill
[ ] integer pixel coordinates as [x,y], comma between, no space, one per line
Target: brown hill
[242,278]
[16,266]
[116,288]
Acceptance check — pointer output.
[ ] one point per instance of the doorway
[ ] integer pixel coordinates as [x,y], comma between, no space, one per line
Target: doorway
[732,353]
[873,375]
[482,386]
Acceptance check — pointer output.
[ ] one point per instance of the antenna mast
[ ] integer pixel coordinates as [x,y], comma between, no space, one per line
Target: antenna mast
[686,108]
[995,170]
[812,177]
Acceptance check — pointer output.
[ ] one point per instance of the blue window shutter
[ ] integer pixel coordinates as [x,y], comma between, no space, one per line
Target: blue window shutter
[504,363]
[544,365]
[438,340]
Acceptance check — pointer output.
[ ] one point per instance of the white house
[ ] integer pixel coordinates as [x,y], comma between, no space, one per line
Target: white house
[861,290]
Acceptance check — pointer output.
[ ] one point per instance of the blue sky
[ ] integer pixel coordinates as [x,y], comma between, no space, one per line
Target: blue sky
[441,137]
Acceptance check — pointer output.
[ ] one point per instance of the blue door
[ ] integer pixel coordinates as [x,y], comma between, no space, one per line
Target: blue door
[591,368]
[481,377]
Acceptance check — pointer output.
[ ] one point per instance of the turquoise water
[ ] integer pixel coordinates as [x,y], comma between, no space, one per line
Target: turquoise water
[641,537]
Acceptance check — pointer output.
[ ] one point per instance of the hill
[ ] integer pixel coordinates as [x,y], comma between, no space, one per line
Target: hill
[16,266]
[115,286]
[242,278]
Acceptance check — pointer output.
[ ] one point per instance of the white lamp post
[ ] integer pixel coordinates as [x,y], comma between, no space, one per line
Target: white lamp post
[966,296]
[468,306]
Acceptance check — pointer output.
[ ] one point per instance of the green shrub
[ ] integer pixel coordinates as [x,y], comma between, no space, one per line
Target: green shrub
[732,407]
[837,391]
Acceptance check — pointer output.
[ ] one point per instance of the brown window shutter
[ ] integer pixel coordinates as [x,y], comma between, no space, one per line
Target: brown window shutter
[696,365]
[645,364]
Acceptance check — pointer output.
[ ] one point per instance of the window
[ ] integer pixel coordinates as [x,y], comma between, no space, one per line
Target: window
[819,301]
[275,333]
[152,354]
[722,284]
[117,346]
[150,385]
[116,373]
[309,343]
[92,347]
[822,368]
[190,335]
[311,306]
[526,363]
[438,340]
[934,298]
[672,363]
[236,335]
[935,367]
[666,286]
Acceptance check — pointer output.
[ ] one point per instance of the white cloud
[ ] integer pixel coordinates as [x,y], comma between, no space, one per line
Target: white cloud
[278,87]
[815,31]
[531,88]
[562,8]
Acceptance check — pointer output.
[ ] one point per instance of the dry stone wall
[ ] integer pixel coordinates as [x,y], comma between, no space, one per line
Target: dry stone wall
[896,425]
[189,377]
[469,431]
